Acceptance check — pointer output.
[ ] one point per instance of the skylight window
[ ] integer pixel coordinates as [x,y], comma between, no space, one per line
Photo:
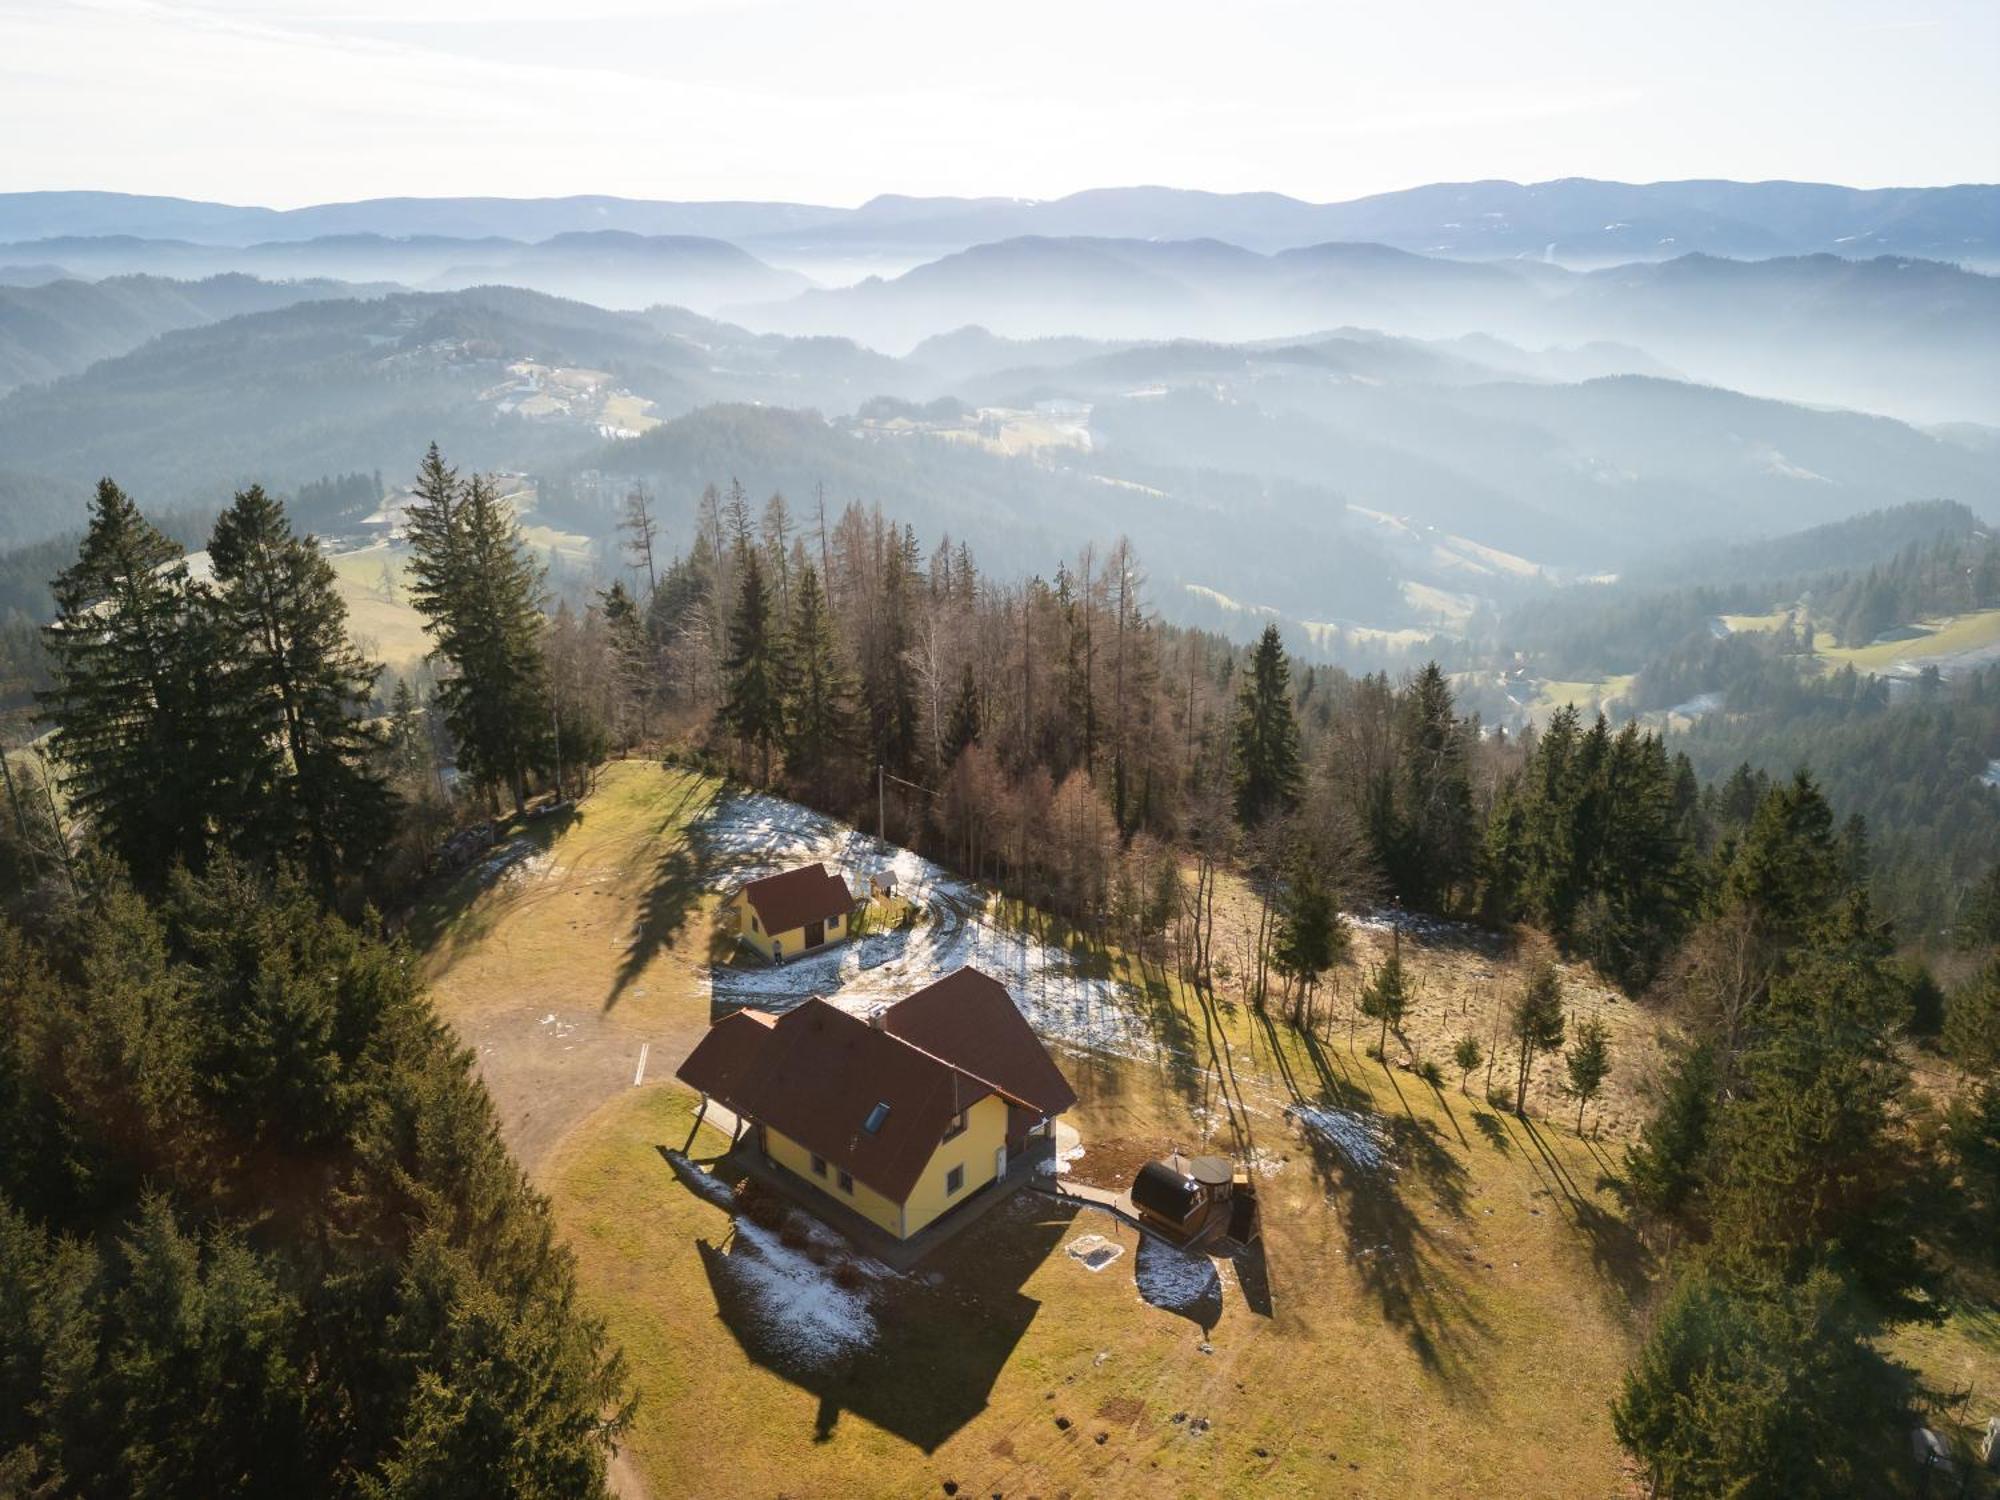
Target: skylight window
[877,1118]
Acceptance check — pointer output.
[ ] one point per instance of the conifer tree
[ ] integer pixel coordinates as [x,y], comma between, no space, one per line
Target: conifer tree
[301,687]
[140,732]
[1309,932]
[818,694]
[481,592]
[631,663]
[1387,996]
[888,687]
[1538,1024]
[963,727]
[753,708]
[1665,1168]
[1589,1063]
[1757,1396]
[1438,839]
[1468,1054]
[1269,775]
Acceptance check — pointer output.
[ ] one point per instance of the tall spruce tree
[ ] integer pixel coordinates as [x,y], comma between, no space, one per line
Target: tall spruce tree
[753,708]
[482,595]
[1437,842]
[1265,737]
[631,687]
[888,686]
[818,693]
[141,735]
[301,687]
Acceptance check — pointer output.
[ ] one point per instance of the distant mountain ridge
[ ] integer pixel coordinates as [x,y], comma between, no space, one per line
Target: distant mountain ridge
[1914,338]
[1573,221]
[612,267]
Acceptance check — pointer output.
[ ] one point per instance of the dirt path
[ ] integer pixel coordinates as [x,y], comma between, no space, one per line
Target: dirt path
[550,973]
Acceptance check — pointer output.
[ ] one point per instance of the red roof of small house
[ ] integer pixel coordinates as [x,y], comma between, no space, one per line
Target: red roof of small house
[818,1074]
[811,893]
[968,1019]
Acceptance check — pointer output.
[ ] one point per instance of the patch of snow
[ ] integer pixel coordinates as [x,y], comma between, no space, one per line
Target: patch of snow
[801,1310]
[1421,925]
[1699,704]
[1360,1138]
[703,1184]
[1171,1278]
[1058,1165]
[755,835]
[1094,1250]
[502,860]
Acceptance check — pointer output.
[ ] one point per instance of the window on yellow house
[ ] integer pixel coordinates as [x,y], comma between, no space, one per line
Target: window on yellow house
[819,1166]
[954,1180]
[847,1182]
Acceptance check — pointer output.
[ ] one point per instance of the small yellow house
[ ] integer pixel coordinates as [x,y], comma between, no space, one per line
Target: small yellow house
[799,911]
[901,1117]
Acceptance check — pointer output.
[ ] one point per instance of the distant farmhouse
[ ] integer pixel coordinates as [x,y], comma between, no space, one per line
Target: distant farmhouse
[782,916]
[901,1117]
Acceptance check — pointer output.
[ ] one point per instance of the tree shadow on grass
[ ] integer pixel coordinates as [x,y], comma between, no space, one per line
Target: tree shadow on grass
[679,877]
[1489,1124]
[1173,1030]
[1401,1263]
[1414,1278]
[1617,1253]
[940,1344]
[444,923]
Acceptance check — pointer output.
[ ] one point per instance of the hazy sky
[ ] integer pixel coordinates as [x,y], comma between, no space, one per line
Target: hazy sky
[286,102]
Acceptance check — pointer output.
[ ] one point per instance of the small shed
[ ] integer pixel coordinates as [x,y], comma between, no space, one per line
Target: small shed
[1186,1197]
[1165,1194]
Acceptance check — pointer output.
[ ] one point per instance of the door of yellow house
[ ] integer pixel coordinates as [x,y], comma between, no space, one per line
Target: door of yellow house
[999,1161]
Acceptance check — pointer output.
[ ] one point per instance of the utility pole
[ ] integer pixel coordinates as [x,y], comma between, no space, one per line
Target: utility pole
[881,821]
[555,724]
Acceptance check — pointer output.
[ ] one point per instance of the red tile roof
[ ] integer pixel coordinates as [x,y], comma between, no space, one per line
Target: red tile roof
[816,1073]
[968,1019]
[808,894]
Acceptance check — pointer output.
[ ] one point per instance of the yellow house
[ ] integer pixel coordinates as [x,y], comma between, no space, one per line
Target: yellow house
[782,916]
[901,1117]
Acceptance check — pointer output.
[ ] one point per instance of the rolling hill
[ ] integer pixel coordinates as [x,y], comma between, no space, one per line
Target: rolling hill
[62,326]
[1575,221]
[1918,339]
[612,268]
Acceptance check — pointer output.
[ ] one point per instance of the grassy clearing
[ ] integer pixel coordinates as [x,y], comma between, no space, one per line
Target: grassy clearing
[1756,624]
[1455,1325]
[380,615]
[1416,1326]
[1589,698]
[1950,636]
[629,411]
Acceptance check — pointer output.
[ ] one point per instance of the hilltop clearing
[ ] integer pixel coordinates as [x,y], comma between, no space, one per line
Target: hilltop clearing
[1445,1297]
